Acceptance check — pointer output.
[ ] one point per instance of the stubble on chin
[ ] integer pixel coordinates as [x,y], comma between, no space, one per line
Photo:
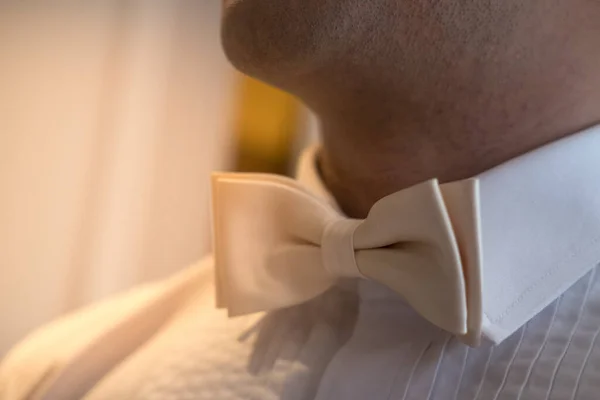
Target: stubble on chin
[284,39]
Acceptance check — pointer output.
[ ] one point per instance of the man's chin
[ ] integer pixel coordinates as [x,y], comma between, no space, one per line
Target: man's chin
[229,3]
[275,39]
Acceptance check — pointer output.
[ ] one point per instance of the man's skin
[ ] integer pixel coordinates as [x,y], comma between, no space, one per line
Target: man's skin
[408,90]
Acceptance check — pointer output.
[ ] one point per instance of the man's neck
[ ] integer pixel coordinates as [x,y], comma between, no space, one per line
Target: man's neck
[364,159]
[448,93]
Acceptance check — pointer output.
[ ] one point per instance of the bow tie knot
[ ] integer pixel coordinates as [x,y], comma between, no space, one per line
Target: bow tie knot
[337,248]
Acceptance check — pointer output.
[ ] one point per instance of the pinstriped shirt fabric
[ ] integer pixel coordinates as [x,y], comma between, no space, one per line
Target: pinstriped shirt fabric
[394,354]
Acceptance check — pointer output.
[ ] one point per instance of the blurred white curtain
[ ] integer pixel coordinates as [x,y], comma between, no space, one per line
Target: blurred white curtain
[112,115]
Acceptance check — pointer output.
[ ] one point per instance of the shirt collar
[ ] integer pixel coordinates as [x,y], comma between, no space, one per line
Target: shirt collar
[533,225]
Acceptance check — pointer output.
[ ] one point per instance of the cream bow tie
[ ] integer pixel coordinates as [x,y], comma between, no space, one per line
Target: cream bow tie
[277,245]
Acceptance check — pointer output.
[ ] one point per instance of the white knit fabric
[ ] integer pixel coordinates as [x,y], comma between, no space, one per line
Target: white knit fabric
[201,354]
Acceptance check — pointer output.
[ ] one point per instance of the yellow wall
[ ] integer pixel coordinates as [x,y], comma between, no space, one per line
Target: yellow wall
[266,122]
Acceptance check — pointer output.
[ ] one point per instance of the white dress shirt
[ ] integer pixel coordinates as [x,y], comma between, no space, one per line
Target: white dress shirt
[540,242]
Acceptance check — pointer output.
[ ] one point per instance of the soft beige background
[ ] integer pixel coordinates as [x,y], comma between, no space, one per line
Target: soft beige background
[112,113]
